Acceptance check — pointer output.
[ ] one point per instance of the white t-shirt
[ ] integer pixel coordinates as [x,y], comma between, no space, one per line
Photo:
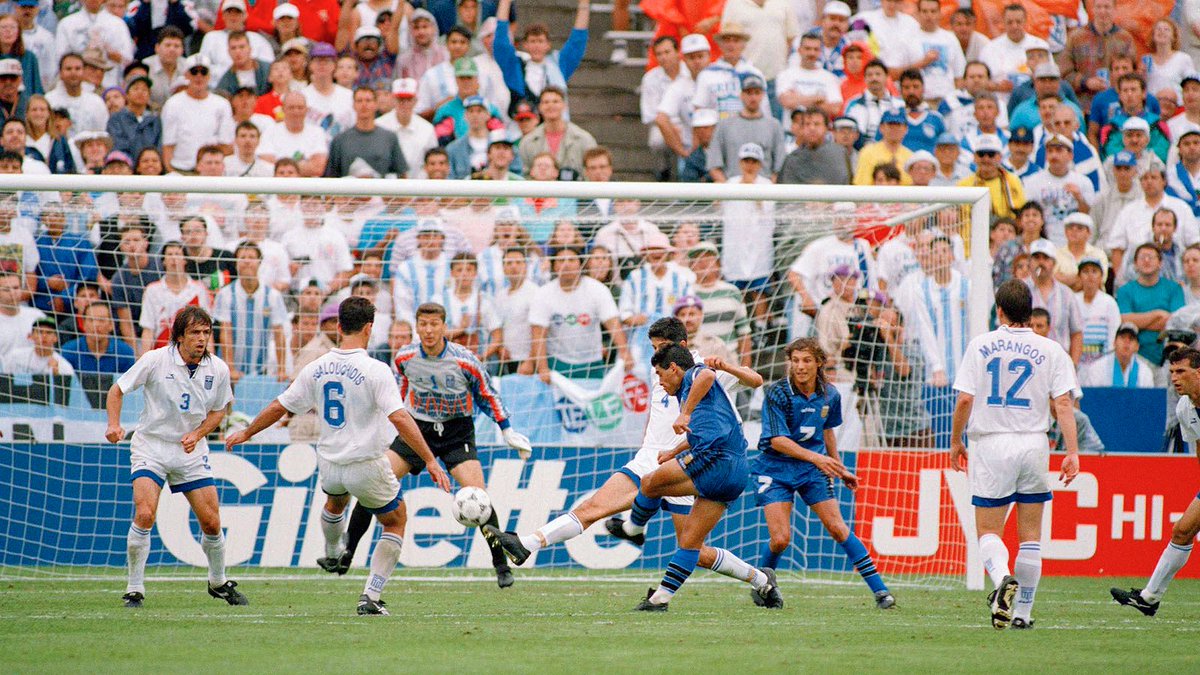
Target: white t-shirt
[1101,318]
[159,304]
[1167,75]
[216,47]
[14,330]
[190,123]
[676,104]
[950,63]
[1189,419]
[437,84]
[415,140]
[18,244]
[1006,59]
[897,36]
[822,255]
[176,400]
[513,311]
[279,142]
[1099,373]
[1025,368]
[896,261]
[747,237]
[88,112]
[1050,191]
[326,249]
[79,30]
[25,361]
[654,87]
[259,168]
[573,320]
[353,395]
[1132,226]
[333,113]
[815,82]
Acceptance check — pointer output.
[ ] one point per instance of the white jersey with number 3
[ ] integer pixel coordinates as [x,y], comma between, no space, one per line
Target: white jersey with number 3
[353,395]
[1013,373]
[177,399]
[1189,419]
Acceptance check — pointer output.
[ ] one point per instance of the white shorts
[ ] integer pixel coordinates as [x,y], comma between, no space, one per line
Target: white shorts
[1007,468]
[371,481]
[165,462]
[645,461]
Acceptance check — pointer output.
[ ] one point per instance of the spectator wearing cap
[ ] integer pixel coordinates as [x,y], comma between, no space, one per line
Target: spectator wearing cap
[651,289]
[296,138]
[772,27]
[718,87]
[1060,190]
[13,101]
[366,143]
[376,57]
[251,316]
[12,47]
[426,51]
[415,134]
[1046,83]
[244,70]
[1148,301]
[93,26]
[539,66]
[1021,162]
[869,107]
[694,167]
[1189,116]
[1099,310]
[846,134]
[1005,55]
[38,39]
[88,112]
[832,26]
[1066,325]
[1078,228]
[166,65]
[726,317]
[438,85]
[294,53]
[1183,174]
[194,118]
[1090,49]
[572,140]
[1008,194]
[806,85]
[921,167]
[284,26]
[330,105]
[1045,69]
[215,45]
[690,311]
[1134,223]
[816,159]
[942,72]
[898,36]
[320,20]
[951,165]
[135,127]
[889,149]
[1118,192]
[832,320]
[1131,93]
[654,86]
[1121,367]
[750,125]
[450,119]
[501,161]
[675,115]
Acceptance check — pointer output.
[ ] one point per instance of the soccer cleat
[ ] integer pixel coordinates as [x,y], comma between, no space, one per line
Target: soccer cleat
[646,606]
[333,564]
[369,607]
[769,595]
[133,599]
[1021,624]
[614,527]
[229,593]
[508,541]
[504,577]
[1002,602]
[884,600]
[1133,598]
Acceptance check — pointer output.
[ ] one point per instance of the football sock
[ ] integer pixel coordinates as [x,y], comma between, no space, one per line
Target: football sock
[769,558]
[1172,560]
[858,556]
[730,565]
[682,564]
[383,563]
[331,526]
[137,546]
[995,558]
[644,509]
[498,557]
[360,522]
[214,548]
[561,528]
[1027,568]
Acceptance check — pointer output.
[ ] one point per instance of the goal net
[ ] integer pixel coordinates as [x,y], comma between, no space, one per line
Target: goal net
[552,285]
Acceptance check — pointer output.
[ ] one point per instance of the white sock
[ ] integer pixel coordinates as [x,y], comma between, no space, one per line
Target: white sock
[137,547]
[732,566]
[662,595]
[331,526]
[1172,560]
[1027,568]
[631,529]
[214,548]
[561,528]
[995,558]
[383,562]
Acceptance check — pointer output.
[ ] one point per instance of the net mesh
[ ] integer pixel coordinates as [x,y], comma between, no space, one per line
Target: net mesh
[91,280]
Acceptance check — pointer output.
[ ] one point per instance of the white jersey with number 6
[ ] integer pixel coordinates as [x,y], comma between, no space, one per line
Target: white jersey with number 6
[1013,373]
[353,395]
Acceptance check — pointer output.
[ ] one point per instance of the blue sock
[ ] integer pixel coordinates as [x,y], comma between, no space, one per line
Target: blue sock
[769,558]
[644,509]
[682,564]
[857,553]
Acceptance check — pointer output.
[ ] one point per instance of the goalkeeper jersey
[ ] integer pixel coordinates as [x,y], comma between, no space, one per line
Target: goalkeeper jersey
[447,385]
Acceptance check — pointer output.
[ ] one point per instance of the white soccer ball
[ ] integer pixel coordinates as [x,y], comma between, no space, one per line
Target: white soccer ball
[471,506]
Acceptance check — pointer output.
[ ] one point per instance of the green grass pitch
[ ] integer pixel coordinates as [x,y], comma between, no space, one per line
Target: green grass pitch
[305,622]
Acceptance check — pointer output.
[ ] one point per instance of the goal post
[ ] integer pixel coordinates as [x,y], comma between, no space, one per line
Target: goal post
[585,423]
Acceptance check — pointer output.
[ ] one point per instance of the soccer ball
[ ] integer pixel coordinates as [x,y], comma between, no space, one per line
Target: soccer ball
[471,506]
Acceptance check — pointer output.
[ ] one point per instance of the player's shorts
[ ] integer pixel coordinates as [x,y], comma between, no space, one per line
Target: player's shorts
[777,479]
[165,463]
[718,478]
[756,285]
[370,481]
[452,441]
[1007,468]
[645,461]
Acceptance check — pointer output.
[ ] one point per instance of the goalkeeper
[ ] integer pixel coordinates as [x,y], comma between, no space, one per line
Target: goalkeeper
[441,383]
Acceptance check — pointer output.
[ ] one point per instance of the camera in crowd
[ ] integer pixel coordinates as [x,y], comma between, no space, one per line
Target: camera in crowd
[1175,339]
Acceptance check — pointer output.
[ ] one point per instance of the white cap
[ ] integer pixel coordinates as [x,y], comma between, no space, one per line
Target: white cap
[197,60]
[705,117]
[404,87]
[988,143]
[286,10]
[367,32]
[10,67]
[751,151]
[1080,219]
[920,156]
[488,27]
[233,4]
[1033,43]
[1043,246]
[694,43]
[1136,124]
[836,8]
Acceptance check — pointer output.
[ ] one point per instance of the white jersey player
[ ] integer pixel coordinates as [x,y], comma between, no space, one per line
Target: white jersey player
[186,393]
[359,411]
[1006,383]
[618,492]
[1185,377]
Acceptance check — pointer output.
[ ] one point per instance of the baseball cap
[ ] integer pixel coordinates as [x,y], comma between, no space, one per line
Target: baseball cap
[694,43]
[920,156]
[687,301]
[1128,328]
[844,122]
[360,279]
[404,87]
[892,117]
[96,58]
[702,248]
[843,270]
[295,45]
[1020,135]
[751,151]
[705,117]
[988,143]
[946,138]
[508,214]
[323,50]
[1136,124]
[1192,76]
[1091,260]
[44,321]
[369,32]
[1034,43]
[10,68]
[1059,139]
[1042,247]
[753,81]
[118,156]
[429,225]
[1080,219]
[1185,134]
[233,4]
[28,3]
[328,312]
[465,67]
[1125,158]
[837,8]
[139,78]
[656,240]
[474,101]
[733,29]
[1047,69]
[286,10]
[525,111]
[197,61]
[421,13]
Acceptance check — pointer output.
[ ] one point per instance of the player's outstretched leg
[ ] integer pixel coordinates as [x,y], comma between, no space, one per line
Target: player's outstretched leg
[763,586]
[855,550]
[331,527]
[204,504]
[1173,558]
[504,575]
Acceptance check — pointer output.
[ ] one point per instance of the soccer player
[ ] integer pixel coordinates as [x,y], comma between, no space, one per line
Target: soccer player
[800,456]
[619,492]
[187,390]
[442,382]
[1006,382]
[1185,377]
[360,412]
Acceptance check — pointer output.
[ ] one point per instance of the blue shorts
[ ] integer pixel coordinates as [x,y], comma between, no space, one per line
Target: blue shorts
[756,285]
[719,479]
[778,480]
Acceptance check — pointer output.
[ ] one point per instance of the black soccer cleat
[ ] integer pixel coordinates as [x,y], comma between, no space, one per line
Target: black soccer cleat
[133,599]
[884,600]
[338,564]
[509,542]
[504,576]
[369,607]
[229,593]
[768,596]
[646,606]
[1002,602]
[1133,598]
[1021,624]
[615,527]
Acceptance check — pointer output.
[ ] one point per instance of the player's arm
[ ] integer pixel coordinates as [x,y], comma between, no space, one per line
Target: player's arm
[537,353]
[830,466]
[112,405]
[702,383]
[831,449]
[667,455]
[411,435]
[280,354]
[958,426]
[211,421]
[269,415]
[1076,347]
[745,375]
[1064,407]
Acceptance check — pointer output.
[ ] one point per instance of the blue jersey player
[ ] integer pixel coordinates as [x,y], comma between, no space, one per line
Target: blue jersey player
[710,464]
[799,457]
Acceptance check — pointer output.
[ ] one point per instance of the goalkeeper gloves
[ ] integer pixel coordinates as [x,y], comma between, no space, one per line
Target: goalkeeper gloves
[517,441]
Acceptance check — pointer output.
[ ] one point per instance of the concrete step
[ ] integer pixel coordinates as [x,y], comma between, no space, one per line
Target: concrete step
[606,75]
[609,100]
